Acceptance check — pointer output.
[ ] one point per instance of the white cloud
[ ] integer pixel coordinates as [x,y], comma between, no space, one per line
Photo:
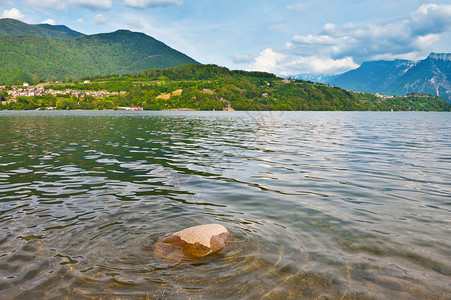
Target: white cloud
[317,65]
[338,48]
[48,4]
[328,27]
[100,20]
[49,21]
[362,42]
[431,18]
[152,3]
[268,61]
[80,21]
[93,4]
[13,13]
[285,64]
[425,42]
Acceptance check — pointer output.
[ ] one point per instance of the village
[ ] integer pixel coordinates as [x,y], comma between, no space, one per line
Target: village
[27,90]
[11,95]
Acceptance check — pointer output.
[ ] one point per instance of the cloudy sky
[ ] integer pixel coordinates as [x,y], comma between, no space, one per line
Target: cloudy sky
[279,36]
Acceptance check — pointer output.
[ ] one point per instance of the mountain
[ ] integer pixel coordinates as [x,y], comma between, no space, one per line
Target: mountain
[373,76]
[431,76]
[36,57]
[15,27]
[400,77]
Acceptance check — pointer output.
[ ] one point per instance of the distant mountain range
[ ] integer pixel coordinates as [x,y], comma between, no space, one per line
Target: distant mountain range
[45,52]
[399,77]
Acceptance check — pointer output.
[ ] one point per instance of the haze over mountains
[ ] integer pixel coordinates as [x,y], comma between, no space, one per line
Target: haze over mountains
[46,52]
[398,77]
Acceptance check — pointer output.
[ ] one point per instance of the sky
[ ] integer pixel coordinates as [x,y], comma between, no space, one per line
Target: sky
[278,36]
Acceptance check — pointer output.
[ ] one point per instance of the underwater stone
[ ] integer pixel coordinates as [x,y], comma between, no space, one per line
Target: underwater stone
[196,241]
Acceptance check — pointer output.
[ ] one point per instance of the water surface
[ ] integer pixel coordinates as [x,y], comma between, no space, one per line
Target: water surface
[320,204]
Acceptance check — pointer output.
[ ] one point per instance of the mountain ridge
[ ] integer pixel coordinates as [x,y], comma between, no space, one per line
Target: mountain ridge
[398,77]
[38,57]
[373,76]
[431,75]
[440,56]
[16,27]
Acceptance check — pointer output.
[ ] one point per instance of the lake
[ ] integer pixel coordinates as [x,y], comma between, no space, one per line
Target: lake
[320,204]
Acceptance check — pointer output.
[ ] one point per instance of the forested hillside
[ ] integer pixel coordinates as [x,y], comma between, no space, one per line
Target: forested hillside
[208,87]
[35,58]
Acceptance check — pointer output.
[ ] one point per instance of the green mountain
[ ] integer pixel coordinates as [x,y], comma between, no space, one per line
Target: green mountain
[15,27]
[400,77]
[35,58]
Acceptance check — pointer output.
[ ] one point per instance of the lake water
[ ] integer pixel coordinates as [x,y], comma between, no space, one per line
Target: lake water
[320,204]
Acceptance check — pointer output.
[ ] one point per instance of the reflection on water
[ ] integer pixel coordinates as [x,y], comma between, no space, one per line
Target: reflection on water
[329,205]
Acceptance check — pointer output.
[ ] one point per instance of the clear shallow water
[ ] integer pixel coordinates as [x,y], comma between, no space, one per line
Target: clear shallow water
[320,204]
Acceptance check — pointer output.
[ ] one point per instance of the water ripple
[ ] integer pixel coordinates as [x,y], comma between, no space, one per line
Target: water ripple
[320,205]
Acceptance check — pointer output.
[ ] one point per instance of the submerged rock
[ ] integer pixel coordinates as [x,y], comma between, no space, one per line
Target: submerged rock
[196,241]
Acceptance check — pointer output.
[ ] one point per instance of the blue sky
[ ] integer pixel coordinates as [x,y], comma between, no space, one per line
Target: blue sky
[278,36]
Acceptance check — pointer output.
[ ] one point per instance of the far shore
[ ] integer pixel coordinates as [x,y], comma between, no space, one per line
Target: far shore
[179,109]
